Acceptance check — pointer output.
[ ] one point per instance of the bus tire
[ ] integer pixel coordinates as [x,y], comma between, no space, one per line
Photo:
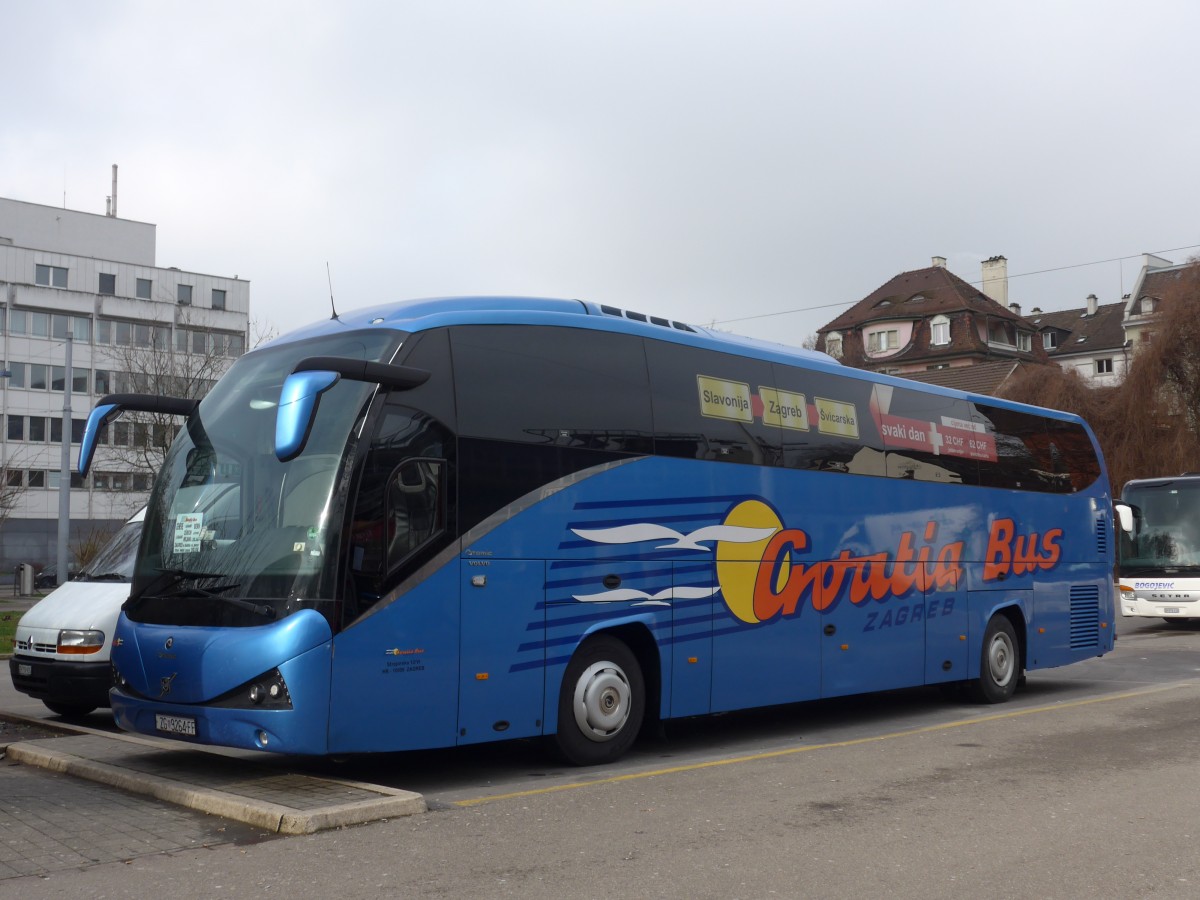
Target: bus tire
[999,663]
[601,703]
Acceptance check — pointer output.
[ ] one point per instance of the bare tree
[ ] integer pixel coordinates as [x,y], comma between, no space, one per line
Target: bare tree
[152,362]
[1149,425]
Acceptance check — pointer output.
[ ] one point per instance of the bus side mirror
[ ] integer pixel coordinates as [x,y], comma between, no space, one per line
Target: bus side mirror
[97,419]
[315,375]
[1125,517]
[297,409]
[110,407]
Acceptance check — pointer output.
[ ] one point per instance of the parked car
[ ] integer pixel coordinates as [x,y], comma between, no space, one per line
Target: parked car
[62,646]
[47,579]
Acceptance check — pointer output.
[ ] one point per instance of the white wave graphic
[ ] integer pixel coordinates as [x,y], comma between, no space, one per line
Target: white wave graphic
[660,598]
[676,540]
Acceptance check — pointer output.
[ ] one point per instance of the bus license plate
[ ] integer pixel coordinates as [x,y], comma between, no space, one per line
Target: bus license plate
[1171,610]
[175,724]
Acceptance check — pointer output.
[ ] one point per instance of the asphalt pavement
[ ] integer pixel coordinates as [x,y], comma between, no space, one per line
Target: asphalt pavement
[77,796]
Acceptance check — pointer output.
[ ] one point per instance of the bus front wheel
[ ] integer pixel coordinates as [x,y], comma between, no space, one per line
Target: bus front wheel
[601,703]
[999,663]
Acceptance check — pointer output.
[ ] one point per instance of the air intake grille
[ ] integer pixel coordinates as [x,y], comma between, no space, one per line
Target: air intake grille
[1102,534]
[1085,616]
[642,317]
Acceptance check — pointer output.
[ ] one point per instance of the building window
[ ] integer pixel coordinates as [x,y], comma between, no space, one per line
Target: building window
[17,323]
[833,344]
[108,283]
[183,294]
[1024,340]
[1104,366]
[103,382]
[37,429]
[14,477]
[939,330]
[37,478]
[144,286]
[39,324]
[218,299]
[50,276]
[1049,340]
[878,341]
[16,375]
[16,428]
[38,374]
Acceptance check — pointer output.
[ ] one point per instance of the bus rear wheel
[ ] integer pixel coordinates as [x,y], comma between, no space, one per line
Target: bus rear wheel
[999,663]
[601,703]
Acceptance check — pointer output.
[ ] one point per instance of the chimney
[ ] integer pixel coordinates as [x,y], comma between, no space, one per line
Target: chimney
[1091,301]
[113,208]
[1036,311]
[995,279]
[1014,308]
[939,262]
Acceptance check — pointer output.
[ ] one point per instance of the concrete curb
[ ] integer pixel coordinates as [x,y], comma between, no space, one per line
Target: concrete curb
[273,817]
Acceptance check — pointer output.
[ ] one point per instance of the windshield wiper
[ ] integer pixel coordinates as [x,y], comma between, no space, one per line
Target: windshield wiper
[107,576]
[169,583]
[261,609]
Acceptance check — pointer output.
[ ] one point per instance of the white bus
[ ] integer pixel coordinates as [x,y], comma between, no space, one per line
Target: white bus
[1159,548]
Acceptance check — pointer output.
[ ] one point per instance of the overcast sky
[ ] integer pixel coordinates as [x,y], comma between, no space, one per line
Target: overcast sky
[761,165]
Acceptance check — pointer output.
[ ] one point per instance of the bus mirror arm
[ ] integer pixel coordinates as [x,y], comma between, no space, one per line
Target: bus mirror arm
[110,407]
[311,377]
[396,377]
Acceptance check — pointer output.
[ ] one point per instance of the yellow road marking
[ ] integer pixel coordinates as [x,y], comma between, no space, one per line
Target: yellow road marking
[791,751]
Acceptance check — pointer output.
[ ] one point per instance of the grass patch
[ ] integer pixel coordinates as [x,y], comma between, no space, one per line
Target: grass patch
[8,627]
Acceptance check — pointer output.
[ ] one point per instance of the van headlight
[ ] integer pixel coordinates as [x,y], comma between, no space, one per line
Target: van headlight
[77,642]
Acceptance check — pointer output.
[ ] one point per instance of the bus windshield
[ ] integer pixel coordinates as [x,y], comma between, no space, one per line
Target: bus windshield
[232,535]
[1166,533]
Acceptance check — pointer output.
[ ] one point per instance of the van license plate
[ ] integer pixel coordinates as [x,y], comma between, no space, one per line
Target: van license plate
[175,724]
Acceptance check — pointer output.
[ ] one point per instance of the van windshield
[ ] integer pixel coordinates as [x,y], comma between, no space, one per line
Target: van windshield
[115,560]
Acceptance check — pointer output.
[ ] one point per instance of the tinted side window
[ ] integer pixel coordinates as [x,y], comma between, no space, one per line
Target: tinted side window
[402,502]
[837,432]
[430,350]
[1033,453]
[928,437]
[560,387]
[709,405]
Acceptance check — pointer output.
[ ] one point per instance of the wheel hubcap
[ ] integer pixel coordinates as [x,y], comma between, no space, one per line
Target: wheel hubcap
[1001,660]
[602,699]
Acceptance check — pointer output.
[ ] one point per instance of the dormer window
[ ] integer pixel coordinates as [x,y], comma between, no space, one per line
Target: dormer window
[833,344]
[1049,339]
[916,298]
[939,330]
[881,341]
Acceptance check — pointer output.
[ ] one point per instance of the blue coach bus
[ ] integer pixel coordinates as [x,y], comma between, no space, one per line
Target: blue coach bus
[452,521]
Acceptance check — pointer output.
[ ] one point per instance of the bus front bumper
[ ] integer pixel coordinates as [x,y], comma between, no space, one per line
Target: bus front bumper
[1159,604]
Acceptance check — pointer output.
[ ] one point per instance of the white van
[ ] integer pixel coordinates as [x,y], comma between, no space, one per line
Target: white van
[62,647]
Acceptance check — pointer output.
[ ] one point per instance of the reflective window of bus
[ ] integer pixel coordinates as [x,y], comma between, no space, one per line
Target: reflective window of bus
[709,405]
[927,436]
[561,387]
[826,423]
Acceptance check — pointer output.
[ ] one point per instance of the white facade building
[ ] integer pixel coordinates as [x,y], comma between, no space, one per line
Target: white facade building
[91,278]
